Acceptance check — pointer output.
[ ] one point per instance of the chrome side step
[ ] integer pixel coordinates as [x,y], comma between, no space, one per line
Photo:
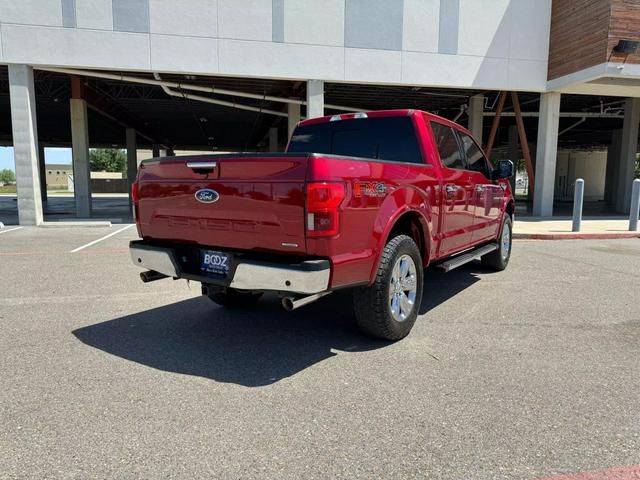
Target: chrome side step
[467,257]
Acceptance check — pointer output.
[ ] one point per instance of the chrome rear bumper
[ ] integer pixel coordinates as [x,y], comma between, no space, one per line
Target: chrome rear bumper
[308,277]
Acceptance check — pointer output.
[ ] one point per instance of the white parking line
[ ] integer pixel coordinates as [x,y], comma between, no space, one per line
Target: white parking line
[101,239]
[10,230]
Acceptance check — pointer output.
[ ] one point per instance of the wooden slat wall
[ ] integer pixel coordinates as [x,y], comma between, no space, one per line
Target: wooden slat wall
[625,24]
[579,35]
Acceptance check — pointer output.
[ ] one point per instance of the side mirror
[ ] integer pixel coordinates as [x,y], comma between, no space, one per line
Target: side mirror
[504,169]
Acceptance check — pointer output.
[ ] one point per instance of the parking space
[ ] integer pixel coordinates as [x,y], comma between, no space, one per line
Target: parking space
[51,241]
[521,374]
[61,207]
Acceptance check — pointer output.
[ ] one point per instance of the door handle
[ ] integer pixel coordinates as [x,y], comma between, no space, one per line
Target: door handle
[202,167]
[450,190]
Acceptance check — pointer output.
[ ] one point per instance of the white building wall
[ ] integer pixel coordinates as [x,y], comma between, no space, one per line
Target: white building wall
[94,14]
[589,165]
[493,44]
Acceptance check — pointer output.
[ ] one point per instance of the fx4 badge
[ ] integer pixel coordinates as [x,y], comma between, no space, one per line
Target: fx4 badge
[370,189]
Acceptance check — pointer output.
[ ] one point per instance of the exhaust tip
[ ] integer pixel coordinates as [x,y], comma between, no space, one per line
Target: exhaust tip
[151,276]
[292,303]
[287,304]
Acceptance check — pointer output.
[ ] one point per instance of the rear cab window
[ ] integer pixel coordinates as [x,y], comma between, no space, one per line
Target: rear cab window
[392,139]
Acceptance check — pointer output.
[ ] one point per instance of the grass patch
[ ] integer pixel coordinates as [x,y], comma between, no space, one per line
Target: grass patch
[51,189]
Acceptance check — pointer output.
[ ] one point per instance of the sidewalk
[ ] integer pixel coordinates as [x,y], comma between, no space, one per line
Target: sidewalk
[560,229]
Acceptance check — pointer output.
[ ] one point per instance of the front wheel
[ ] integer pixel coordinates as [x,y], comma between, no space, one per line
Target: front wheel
[389,308]
[499,259]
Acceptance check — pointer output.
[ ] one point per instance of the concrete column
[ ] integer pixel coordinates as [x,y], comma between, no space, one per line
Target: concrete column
[513,154]
[629,150]
[476,108]
[315,98]
[546,156]
[533,151]
[155,150]
[613,165]
[273,139]
[42,173]
[132,159]
[294,117]
[571,174]
[80,154]
[25,143]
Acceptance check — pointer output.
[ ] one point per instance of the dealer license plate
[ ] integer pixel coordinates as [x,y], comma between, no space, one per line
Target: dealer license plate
[214,262]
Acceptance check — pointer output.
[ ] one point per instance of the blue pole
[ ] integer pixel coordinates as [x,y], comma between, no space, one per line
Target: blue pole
[578,196]
[635,206]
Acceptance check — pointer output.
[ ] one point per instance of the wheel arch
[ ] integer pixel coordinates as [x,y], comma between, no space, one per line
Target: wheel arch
[407,221]
[510,209]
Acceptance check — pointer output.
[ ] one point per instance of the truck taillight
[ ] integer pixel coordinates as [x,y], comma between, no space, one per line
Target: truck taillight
[134,199]
[323,202]
[134,192]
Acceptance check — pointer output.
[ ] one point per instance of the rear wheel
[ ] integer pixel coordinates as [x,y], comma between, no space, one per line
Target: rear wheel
[230,297]
[389,308]
[499,259]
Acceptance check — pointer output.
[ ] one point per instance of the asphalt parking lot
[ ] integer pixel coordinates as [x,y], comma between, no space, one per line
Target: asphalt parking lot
[523,374]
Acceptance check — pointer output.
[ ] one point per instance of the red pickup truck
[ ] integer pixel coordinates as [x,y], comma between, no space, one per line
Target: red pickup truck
[363,201]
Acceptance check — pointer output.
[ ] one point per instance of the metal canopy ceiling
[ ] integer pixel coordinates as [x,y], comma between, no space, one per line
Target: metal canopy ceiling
[186,124]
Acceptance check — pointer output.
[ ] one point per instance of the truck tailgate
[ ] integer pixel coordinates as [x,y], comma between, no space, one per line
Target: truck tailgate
[243,201]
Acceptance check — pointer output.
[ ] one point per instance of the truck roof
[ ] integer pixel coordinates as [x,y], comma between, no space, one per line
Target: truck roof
[408,112]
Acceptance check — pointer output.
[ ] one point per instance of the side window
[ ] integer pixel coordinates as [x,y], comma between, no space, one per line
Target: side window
[447,146]
[475,158]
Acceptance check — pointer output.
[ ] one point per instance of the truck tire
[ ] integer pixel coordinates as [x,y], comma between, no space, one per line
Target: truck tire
[232,298]
[499,259]
[389,308]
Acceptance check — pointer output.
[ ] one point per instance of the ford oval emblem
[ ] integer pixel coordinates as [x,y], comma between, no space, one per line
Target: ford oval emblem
[206,195]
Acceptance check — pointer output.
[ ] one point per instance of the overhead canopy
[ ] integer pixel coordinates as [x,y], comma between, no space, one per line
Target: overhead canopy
[187,124]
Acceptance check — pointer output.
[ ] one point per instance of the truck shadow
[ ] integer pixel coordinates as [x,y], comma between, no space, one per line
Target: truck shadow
[248,347]
[440,286]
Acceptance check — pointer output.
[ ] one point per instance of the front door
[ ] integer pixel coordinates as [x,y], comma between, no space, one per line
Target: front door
[487,194]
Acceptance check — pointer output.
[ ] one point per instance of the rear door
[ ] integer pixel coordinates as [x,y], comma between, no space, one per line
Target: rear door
[487,195]
[457,191]
[245,201]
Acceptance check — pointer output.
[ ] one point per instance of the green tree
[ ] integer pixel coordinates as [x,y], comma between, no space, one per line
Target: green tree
[7,176]
[108,160]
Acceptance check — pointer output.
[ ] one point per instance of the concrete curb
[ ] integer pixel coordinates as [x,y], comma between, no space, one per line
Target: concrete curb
[575,236]
[75,224]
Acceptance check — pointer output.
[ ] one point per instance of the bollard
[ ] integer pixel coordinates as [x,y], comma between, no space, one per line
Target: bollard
[635,206]
[578,196]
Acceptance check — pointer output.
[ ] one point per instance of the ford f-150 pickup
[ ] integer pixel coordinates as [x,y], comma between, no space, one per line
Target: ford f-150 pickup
[364,201]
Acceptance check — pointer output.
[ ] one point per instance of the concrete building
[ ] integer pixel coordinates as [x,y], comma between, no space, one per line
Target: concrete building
[238,74]
[61,176]
[57,175]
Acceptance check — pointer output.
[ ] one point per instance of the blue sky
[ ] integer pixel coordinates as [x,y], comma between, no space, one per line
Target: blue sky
[51,155]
